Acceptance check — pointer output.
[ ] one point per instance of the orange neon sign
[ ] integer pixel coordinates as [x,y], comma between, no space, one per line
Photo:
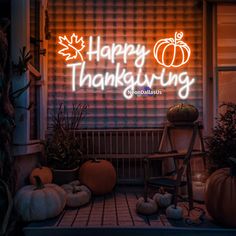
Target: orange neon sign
[121,76]
[71,47]
[176,48]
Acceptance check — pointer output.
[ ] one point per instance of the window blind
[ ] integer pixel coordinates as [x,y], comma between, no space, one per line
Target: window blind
[135,22]
[226,33]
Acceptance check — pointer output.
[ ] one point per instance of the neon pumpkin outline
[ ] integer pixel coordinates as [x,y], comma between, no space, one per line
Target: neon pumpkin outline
[70,45]
[176,42]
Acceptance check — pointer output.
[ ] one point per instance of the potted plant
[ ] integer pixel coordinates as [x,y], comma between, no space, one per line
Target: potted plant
[221,185]
[222,143]
[63,146]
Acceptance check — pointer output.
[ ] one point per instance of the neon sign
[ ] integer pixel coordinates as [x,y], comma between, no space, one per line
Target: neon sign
[72,48]
[176,46]
[121,77]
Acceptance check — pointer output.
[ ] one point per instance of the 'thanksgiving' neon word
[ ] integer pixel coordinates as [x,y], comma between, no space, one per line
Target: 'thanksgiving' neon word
[121,77]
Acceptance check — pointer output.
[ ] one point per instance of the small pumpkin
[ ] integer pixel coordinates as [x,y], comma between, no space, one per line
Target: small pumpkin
[98,175]
[43,172]
[182,113]
[174,212]
[146,207]
[220,196]
[77,195]
[163,198]
[39,201]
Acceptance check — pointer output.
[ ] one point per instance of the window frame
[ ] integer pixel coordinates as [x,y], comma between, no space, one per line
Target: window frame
[216,68]
[211,69]
[20,30]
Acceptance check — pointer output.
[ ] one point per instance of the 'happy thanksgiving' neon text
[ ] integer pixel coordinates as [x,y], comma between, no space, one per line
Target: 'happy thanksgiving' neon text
[121,77]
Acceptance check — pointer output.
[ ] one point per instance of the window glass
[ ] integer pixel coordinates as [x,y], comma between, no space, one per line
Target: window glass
[227,85]
[226,35]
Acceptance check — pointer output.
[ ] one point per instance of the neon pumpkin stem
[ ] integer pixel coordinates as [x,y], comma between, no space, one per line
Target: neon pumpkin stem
[178,36]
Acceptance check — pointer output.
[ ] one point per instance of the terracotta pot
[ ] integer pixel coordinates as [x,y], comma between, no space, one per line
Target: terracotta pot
[65,176]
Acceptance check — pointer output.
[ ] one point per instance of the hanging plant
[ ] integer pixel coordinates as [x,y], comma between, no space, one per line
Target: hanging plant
[22,66]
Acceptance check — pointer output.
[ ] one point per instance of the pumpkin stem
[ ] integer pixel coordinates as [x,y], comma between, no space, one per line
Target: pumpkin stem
[95,160]
[38,183]
[75,190]
[162,190]
[39,166]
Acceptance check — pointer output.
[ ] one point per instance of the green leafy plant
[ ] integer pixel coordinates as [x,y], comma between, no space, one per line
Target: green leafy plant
[222,143]
[63,147]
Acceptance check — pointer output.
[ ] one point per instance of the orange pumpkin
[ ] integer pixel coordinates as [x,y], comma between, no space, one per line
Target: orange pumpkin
[43,172]
[98,175]
[172,52]
[220,197]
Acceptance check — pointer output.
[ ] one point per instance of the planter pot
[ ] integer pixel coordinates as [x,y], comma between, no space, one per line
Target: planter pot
[65,176]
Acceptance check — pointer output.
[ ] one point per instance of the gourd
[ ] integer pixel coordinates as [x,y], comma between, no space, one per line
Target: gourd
[98,175]
[39,201]
[76,195]
[146,206]
[220,198]
[178,50]
[163,199]
[43,172]
[174,212]
[182,113]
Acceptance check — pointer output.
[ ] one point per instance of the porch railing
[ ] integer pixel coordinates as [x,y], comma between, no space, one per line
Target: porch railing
[125,148]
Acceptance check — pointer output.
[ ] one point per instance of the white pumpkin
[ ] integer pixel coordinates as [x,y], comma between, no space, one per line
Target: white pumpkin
[76,195]
[174,212]
[40,202]
[163,199]
[147,207]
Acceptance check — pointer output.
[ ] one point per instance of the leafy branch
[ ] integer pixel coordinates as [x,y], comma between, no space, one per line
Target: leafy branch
[222,143]
[22,66]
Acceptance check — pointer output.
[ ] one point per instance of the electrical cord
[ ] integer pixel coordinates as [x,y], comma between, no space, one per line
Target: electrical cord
[197,221]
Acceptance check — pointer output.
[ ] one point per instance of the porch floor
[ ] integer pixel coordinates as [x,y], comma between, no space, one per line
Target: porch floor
[115,214]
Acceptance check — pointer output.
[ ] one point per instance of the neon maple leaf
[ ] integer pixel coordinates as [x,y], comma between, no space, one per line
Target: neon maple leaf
[71,47]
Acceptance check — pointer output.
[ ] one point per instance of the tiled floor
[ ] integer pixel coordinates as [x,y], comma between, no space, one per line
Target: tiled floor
[116,211]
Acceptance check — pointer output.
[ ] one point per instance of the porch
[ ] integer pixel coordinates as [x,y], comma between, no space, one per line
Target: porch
[92,88]
[115,214]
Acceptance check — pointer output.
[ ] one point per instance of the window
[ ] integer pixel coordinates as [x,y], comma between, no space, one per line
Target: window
[226,85]
[34,90]
[226,53]
[27,26]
